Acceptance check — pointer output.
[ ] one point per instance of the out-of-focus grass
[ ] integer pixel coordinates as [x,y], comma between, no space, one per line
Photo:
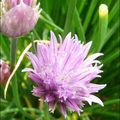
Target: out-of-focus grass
[85,23]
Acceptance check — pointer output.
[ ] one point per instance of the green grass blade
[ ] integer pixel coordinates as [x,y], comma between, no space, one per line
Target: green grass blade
[113,55]
[89,14]
[82,3]
[79,26]
[105,113]
[103,25]
[53,25]
[4,46]
[110,33]
[70,13]
[114,11]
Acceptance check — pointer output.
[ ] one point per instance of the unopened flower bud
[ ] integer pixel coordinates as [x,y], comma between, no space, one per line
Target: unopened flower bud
[18,17]
[4,72]
[103,10]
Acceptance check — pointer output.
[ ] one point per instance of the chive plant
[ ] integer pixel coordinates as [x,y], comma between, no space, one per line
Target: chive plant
[91,22]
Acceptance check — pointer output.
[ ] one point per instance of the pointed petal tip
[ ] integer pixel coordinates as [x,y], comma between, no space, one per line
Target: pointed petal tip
[101,103]
[98,54]
[52,36]
[104,85]
[96,100]
[90,43]
[51,32]
[101,54]
[68,35]
[23,70]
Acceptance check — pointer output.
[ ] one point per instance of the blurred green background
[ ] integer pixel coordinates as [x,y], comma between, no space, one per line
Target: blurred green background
[80,17]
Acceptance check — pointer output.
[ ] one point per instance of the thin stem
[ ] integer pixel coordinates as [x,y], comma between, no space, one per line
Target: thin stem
[110,33]
[13,53]
[70,13]
[12,65]
[102,32]
[33,44]
[46,112]
[13,110]
[14,80]
[51,24]
[36,34]
[89,14]
[103,25]
[82,4]
[79,26]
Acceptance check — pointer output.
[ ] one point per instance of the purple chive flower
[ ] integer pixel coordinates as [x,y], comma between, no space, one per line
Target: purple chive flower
[18,17]
[4,72]
[63,74]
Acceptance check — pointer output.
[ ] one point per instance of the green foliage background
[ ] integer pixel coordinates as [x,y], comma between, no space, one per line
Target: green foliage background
[81,18]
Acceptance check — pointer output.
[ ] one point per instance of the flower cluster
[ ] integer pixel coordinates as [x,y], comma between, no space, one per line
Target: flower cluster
[18,17]
[63,73]
[4,72]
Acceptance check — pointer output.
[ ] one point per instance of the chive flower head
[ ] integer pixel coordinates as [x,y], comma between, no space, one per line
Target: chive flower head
[63,74]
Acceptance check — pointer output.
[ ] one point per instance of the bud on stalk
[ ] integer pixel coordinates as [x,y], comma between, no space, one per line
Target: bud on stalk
[103,23]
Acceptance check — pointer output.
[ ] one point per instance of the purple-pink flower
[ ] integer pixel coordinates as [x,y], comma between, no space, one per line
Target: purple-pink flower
[4,72]
[18,17]
[63,74]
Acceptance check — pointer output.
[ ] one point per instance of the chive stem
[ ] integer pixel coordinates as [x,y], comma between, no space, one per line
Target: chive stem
[70,13]
[13,50]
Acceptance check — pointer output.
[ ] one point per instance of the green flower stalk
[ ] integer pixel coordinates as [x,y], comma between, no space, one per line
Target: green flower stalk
[14,80]
[70,13]
[103,23]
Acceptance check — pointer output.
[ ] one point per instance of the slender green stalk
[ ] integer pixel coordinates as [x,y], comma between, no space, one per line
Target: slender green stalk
[51,24]
[46,16]
[103,24]
[82,4]
[12,65]
[70,13]
[106,113]
[107,36]
[110,57]
[79,26]
[13,110]
[14,80]
[114,11]
[46,112]
[3,46]
[36,34]
[89,14]
[33,44]
[99,37]
[110,77]
[13,53]
[110,33]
